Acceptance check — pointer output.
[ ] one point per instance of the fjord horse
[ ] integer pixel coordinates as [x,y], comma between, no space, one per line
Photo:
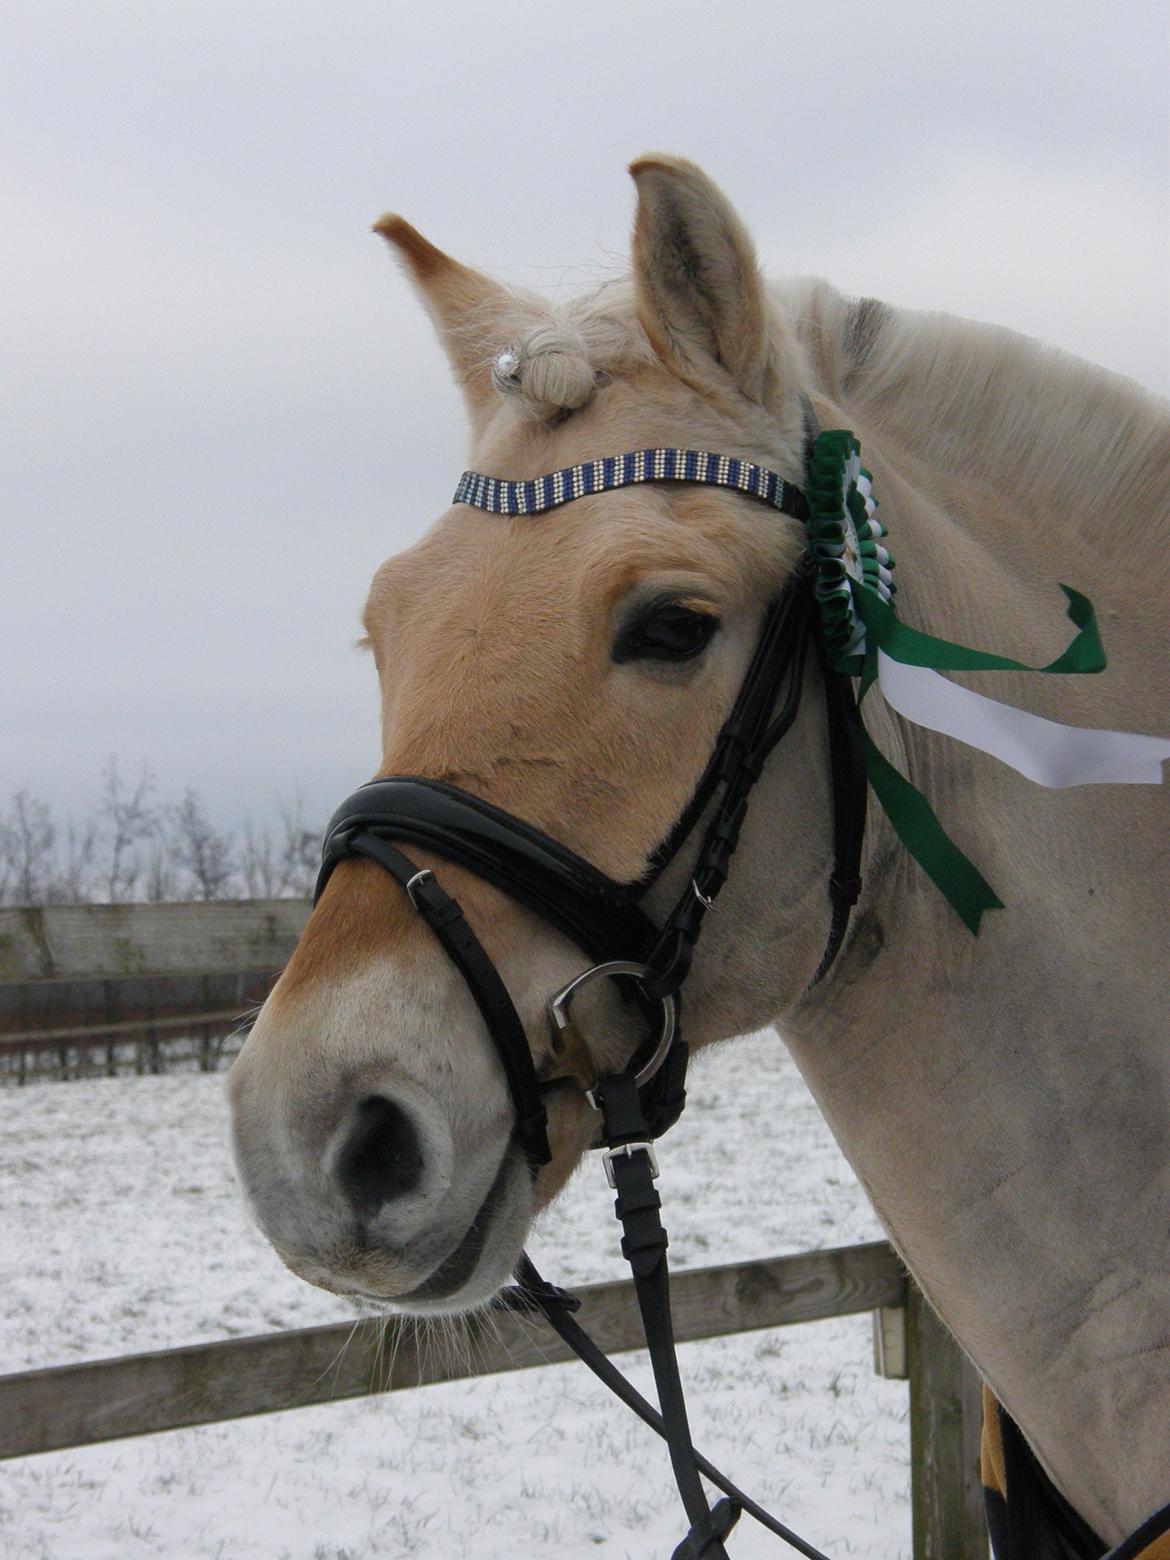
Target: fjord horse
[1003,1099]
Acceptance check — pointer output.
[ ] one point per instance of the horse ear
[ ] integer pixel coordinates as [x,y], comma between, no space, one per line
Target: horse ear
[700,295]
[466,307]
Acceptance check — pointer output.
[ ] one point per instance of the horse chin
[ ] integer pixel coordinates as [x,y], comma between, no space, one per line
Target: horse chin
[480,1263]
[462,1274]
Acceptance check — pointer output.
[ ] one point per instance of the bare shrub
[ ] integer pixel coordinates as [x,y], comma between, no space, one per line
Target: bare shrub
[132,846]
[206,855]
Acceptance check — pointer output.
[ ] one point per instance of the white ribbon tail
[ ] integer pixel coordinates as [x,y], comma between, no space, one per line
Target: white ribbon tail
[1041,750]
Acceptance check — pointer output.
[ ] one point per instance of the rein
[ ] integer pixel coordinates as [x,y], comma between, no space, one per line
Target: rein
[605,918]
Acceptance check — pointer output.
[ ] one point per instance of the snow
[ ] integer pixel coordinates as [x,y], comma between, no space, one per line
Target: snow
[123,1230]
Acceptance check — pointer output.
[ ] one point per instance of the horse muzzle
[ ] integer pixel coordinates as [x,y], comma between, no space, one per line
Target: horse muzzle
[371,1182]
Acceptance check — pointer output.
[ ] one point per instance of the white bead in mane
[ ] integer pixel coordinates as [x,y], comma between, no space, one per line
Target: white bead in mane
[554,364]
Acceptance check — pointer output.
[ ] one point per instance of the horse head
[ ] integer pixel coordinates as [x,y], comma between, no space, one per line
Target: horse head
[572,669]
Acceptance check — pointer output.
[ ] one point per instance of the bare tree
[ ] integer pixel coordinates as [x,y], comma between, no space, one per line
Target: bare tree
[200,849]
[260,864]
[129,847]
[160,881]
[287,865]
[9,856]
[129,820]
[27,841]
[77,868]
[302,849]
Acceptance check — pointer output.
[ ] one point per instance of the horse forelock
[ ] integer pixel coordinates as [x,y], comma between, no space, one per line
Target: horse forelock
[564,348]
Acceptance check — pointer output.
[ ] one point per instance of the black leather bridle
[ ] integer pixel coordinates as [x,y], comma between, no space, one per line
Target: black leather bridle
[607,921]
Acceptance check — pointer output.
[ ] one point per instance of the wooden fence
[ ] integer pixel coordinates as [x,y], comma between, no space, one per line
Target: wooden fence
[194,1041]
[99,990]
[76,1405]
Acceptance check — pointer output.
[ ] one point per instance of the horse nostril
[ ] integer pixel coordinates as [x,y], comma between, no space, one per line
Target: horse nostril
[383,1158]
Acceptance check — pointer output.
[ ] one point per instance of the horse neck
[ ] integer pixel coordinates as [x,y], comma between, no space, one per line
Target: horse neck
[1003,1099]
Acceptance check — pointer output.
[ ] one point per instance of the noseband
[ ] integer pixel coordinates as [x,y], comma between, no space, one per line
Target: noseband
[605,918]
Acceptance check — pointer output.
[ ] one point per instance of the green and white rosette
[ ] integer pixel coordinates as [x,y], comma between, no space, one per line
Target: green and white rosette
[845,538]
[864,638]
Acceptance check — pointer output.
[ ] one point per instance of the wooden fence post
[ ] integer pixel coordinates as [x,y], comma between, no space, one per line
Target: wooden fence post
[945,1416]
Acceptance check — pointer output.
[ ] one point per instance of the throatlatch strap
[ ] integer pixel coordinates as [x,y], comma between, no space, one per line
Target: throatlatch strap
[850,799]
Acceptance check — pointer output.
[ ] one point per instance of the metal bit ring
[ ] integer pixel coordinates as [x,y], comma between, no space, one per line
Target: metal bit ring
[559,1009]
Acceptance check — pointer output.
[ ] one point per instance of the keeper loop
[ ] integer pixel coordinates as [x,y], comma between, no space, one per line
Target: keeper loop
[722,1518]
[846,890]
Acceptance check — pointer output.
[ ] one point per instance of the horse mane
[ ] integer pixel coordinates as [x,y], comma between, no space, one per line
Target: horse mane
[986,404]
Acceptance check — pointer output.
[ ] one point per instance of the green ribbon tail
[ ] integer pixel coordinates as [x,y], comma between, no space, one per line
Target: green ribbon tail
[957,878]
[1085,652]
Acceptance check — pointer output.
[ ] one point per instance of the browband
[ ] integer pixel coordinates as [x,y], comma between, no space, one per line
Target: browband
[532,496]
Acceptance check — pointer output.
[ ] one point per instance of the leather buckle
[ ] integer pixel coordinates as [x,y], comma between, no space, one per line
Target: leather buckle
[628,1150]
[415,884]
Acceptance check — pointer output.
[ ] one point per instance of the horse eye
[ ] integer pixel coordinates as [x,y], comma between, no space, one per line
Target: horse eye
[669,632]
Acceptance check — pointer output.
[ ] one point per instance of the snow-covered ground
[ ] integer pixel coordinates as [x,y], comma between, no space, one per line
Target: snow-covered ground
[122,1229]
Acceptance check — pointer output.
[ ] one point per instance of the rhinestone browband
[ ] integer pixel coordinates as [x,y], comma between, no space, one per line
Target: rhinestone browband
[498,496]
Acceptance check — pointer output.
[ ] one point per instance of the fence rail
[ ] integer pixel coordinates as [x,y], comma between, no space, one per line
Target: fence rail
[222,936]
[77,1405]
[126,1029]
[206,1383]
[88,989]
[135,1045]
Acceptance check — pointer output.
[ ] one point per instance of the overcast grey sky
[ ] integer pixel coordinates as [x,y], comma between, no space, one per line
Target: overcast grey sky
[223,407]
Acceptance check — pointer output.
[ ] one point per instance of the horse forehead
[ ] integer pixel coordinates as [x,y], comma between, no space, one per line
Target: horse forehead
[576,555]
[471,568]
[571,559]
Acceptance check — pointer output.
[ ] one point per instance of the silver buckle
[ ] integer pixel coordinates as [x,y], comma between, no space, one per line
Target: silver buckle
[628,1149]
[559,1009]
[419,877]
